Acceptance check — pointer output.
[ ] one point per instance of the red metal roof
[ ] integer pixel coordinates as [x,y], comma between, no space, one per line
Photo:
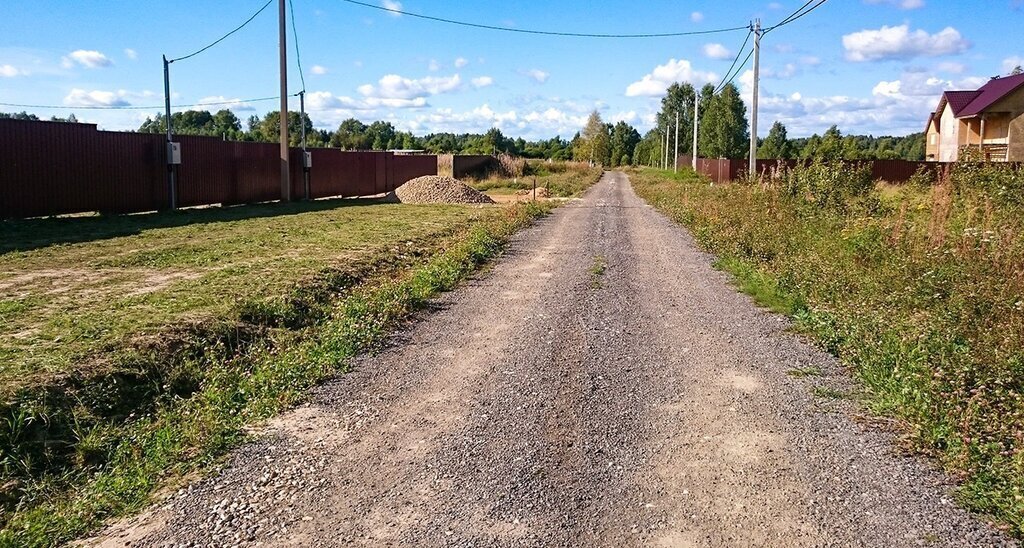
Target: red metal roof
[987,95]
[959,100]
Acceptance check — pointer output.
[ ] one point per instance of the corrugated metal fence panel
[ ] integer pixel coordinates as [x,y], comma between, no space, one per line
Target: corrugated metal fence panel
[411,166]
[50,168]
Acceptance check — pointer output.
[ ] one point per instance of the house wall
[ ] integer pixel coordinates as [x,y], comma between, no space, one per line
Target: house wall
[949,136]
[1013,104]
[931,142]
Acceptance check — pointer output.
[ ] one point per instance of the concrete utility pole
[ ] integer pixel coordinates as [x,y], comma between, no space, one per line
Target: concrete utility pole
[696,108]
[753,101]
[170,138]
[286,187]
[675,157]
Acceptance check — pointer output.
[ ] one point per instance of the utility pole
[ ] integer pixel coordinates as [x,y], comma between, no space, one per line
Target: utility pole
[696,108]
[753,101]
[664,164]
[675,157]
[286,187]
[167,119]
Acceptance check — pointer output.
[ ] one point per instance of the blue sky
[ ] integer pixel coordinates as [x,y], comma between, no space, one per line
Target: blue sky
[870,66]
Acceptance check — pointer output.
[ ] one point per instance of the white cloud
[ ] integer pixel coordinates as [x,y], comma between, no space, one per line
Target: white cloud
[696,17]
[810,60]
[392,6]
[393,86]
[716,51]
[482,81]
[952,67]
[10,71]
[461,62]
[318,70]
[787,71]
[900,43]
[219,102]
[774,6]
[895,107]
[902,4]
[131,54]
[1011,63]
[87,58]
[536,75]
[655,83]
[97,98]
[325,101]
[433,66]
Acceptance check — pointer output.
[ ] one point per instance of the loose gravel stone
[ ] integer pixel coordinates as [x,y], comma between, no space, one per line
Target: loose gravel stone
[439,189]
[534,407]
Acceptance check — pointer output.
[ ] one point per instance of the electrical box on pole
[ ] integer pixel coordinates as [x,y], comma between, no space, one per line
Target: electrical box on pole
[173,154]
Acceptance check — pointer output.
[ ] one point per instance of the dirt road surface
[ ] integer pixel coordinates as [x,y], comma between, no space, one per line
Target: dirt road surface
[548,403]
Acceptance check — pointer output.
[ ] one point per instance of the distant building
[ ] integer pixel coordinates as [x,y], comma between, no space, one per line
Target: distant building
[990,118]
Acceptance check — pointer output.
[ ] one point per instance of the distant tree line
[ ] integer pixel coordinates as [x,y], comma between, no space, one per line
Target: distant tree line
[723,132]
[33,118]
[352,134]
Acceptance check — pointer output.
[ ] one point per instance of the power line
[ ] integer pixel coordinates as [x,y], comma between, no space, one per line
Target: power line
[295,35]
[134,107]
[795,15]
[733,65]
[217,41]
[542,32]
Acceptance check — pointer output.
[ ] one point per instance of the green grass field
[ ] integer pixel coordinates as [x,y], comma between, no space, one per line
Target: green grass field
[71,289]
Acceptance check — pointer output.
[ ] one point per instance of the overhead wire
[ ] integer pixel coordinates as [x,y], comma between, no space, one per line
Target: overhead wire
[136,107]
[795,15]
[542,32]
[733,65]
[295,35]
[219,40]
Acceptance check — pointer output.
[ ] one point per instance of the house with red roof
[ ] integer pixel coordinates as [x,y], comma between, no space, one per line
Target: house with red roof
[990,119]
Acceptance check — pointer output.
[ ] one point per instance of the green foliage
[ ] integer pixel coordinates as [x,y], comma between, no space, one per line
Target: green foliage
[833,145]
[19,116]
[918,289]
[776,145]
[593,144]
[724,130]
[624,139]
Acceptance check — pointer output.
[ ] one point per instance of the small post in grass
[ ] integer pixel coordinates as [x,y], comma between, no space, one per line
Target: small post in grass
[535,188]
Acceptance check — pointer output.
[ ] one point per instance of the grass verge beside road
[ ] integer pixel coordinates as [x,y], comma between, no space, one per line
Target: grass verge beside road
[274,299]
[561,179]
[919,289]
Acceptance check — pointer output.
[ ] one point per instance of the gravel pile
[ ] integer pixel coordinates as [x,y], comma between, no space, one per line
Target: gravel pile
[438,189]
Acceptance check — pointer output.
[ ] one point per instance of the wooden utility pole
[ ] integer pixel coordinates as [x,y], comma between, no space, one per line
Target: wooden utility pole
[286,187]
[753,101]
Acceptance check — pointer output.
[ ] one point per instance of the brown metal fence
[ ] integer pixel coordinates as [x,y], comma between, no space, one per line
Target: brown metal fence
[51,168]
[464,165]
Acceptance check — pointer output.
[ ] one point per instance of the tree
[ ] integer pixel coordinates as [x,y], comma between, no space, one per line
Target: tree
[724,132]
[679,98]
[624,139]
[19,116]
[351,135]
[268,129]
[593,142]
[1016,70]
[776,145]
[71,119]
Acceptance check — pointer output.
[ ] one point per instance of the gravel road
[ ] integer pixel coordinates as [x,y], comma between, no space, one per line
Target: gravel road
[601,385]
